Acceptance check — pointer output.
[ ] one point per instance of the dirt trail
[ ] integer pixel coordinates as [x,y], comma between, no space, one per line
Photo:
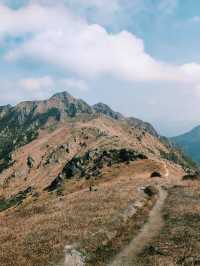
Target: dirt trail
[166,170]
[150,230]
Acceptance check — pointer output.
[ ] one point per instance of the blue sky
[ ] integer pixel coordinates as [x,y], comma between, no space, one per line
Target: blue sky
[141,57]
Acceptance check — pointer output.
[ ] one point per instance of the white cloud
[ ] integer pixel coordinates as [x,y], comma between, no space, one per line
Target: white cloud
[35,19]
[98,10]
[36,84]
[195,19]
[72,83]
[38,88]
[88,50]
[196,91]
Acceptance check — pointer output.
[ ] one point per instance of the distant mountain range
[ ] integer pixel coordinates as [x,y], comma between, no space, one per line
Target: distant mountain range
[190,143]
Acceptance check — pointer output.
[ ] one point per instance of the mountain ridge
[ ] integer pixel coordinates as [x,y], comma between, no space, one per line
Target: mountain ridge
[70,173]
[76,106]
[189,142]
[22,123]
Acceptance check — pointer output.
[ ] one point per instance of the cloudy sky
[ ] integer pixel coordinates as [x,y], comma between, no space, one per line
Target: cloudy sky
[141,57]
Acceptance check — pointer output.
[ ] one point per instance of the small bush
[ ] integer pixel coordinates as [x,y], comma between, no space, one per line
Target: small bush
[191,177]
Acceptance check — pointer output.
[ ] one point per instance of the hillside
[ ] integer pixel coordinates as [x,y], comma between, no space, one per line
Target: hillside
[190,143]
[72,177]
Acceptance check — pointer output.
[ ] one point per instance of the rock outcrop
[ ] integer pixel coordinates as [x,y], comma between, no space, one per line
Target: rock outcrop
[90,164]
[73,257]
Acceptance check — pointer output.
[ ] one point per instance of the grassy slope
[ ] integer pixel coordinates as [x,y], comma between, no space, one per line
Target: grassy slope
[178,242]
[93,219]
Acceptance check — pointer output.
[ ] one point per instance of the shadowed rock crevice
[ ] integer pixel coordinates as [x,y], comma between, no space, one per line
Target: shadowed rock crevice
[91,164]
[15,200]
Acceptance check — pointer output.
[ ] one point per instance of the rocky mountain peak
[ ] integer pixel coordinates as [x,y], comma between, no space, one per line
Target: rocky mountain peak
[21,124]
[106,110]
[4,109]
[63,96]
[142,125]
[132,121]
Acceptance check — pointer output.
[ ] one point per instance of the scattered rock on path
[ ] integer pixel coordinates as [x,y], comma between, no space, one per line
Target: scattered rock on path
[30,162]
[73,257]
[150,191]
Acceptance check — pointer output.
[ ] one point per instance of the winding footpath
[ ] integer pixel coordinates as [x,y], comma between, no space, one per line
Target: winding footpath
[147,233]
[166,170]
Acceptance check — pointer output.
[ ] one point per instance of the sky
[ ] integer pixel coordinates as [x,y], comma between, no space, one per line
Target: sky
[141,57]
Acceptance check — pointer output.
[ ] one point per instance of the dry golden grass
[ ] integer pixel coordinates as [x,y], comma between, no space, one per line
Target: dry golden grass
[178,242]
[36,232]
[102,132]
